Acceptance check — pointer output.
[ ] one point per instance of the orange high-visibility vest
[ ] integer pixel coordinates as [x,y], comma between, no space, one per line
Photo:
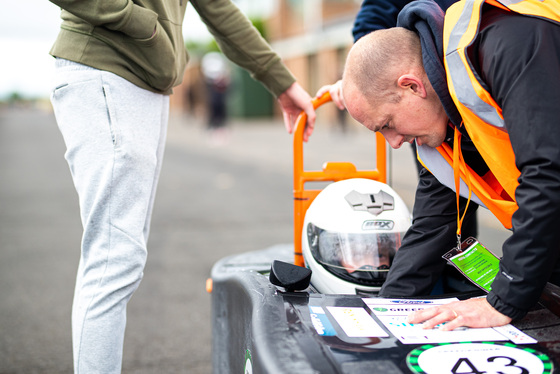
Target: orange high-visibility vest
[482,117]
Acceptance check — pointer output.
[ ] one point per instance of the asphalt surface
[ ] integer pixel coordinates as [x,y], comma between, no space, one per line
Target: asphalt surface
[216,197]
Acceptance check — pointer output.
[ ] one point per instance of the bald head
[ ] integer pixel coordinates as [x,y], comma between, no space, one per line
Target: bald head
[386,89]
[377,60]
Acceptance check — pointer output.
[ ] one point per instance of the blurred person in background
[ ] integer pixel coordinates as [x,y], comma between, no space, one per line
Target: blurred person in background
[217,78]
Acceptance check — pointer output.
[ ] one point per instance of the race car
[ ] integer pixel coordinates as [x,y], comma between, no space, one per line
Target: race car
[312,307]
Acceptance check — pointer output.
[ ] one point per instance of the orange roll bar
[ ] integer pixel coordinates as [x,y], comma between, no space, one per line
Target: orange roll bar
[332,171]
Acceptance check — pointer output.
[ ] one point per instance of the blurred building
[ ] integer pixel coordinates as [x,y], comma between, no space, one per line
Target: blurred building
[313,38]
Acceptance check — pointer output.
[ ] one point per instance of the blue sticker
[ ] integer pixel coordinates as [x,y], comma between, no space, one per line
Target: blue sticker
[411,301]
[321,322]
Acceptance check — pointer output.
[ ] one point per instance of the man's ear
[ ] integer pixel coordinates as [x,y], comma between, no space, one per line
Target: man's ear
[413,84]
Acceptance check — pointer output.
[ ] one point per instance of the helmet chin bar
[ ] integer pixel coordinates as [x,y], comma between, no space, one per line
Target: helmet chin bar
[369,273]
[366,293]
[370,278]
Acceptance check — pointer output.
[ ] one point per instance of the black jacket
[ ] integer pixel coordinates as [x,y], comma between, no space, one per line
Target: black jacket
[518,59]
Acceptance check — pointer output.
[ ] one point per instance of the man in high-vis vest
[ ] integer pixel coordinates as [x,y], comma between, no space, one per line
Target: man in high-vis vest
[477,90]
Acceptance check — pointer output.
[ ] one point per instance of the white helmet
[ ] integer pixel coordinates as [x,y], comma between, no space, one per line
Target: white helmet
[350,235]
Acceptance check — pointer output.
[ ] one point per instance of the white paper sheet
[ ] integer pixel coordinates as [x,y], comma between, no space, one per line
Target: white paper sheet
[393,314]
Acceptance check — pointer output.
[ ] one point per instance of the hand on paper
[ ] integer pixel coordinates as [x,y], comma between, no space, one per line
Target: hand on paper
[468,313]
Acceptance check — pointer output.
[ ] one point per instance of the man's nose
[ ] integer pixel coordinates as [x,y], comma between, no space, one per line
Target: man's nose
[395,141]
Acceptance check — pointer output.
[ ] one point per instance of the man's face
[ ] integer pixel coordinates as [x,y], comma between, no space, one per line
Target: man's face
[412,118]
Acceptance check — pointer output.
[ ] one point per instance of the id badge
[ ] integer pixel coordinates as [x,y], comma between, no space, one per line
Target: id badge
[475,262]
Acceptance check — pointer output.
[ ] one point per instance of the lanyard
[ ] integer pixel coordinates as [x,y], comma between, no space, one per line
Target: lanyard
[457,162]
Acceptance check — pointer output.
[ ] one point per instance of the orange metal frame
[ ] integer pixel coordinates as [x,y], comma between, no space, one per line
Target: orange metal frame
[332,171]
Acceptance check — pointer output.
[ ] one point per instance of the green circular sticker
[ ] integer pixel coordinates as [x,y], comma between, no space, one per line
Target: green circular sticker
[477,358]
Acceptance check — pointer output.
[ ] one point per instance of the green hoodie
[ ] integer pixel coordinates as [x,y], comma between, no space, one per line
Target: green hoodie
[142,40]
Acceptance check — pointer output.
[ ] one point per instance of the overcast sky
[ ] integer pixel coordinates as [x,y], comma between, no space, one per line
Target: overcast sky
[27,31]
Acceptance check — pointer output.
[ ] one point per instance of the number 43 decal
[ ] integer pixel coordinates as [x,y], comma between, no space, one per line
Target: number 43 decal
[471,369]
[478,358]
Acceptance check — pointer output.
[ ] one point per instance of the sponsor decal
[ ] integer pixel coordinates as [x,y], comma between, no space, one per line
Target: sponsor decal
[321,322]
[378,225]
[401,301]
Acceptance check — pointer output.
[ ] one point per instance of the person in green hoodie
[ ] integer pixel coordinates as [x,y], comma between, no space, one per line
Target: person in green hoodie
[117,61]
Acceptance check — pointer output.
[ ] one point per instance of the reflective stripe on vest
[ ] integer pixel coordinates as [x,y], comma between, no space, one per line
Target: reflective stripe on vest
[482,117]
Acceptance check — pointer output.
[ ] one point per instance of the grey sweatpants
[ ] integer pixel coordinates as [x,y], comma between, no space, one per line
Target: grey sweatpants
[115,134]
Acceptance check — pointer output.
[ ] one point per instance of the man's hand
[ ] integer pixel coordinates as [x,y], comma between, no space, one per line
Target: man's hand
[469,313]
[292,101]
[336,93]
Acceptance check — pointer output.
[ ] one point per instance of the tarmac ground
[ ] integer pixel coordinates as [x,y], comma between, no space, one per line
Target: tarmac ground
[217,196]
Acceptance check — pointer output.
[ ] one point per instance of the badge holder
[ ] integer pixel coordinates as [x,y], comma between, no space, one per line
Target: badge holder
[475,262]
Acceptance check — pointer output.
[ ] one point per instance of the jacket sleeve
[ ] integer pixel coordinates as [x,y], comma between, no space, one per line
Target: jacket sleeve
[376,15]
[119,15]
[241,42]
[382,14]
[522,72]
[418,264]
